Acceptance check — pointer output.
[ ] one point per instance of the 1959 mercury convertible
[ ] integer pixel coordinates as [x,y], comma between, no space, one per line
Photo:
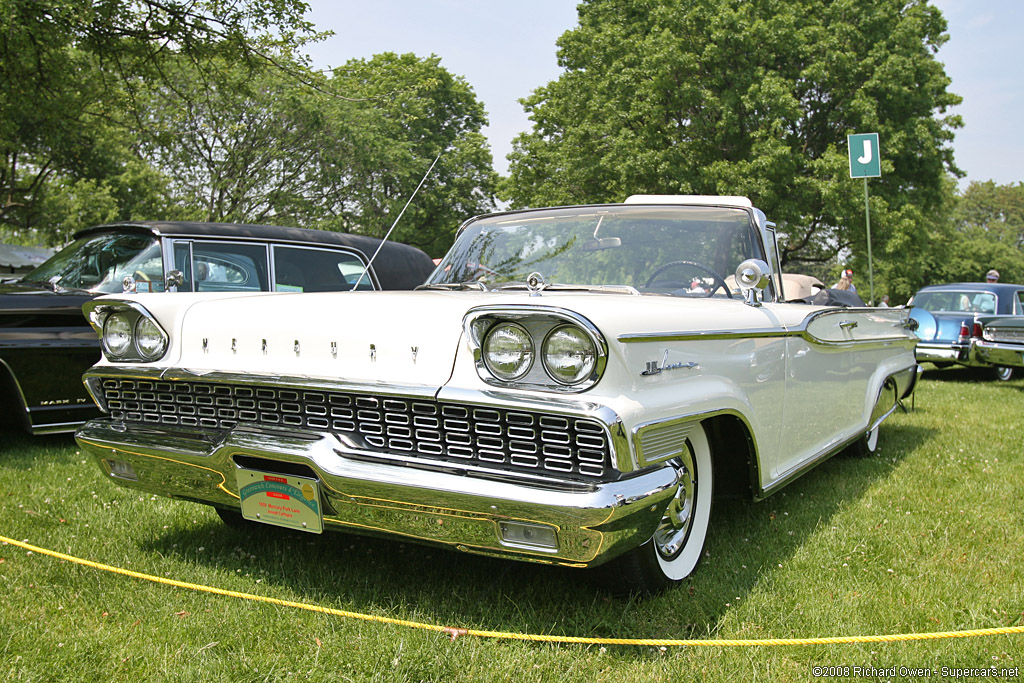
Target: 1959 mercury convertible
[571,386]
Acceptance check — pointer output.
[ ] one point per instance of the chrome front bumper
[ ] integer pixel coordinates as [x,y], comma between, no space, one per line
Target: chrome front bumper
[592,523]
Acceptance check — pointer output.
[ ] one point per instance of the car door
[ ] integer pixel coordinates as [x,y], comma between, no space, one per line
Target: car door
[831,366]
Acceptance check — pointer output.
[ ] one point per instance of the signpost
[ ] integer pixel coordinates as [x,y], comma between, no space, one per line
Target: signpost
[866,162]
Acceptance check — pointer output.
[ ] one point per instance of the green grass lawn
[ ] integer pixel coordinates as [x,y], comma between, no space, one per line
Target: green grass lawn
[928,536]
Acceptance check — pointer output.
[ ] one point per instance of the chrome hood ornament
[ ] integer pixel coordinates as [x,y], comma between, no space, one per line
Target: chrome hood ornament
[535,283]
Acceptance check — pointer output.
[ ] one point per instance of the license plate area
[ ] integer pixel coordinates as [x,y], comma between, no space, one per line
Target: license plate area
[280,499]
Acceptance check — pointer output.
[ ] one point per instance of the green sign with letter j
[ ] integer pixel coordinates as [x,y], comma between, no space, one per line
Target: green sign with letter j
[865,157]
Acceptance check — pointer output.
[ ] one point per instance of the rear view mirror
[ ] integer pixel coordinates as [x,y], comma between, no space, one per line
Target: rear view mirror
[602,243]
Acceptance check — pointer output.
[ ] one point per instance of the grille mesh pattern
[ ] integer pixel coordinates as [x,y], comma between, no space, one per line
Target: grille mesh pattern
[487,437]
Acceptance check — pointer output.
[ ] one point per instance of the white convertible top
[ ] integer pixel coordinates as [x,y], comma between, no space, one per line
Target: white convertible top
[700,199]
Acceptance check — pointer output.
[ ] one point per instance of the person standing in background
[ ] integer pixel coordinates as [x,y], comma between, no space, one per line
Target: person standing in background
[847,275]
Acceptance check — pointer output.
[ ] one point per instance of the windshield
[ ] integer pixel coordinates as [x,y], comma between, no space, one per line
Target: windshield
[678,250]
[98,263]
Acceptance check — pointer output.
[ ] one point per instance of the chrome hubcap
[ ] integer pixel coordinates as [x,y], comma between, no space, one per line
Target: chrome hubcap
[671,534]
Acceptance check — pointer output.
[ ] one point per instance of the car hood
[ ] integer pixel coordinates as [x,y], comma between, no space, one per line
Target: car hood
[405,338]
[23,298]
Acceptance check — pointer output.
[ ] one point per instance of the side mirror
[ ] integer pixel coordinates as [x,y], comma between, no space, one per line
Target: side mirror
[752,277]
[174,278]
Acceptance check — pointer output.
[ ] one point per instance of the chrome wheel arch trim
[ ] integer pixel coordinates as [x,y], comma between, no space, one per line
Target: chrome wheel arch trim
[697,419]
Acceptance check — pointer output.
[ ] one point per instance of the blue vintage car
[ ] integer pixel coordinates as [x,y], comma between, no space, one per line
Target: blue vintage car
[949,321]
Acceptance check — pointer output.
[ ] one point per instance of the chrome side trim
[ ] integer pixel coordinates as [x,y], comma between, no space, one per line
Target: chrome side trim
[899,333]
[57,428]
[662,442]
[705,335]
[796,472]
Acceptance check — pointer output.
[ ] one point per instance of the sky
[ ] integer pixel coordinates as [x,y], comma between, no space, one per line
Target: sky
[505,49]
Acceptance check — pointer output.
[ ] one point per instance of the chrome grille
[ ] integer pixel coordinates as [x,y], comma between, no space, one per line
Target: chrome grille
[495,438]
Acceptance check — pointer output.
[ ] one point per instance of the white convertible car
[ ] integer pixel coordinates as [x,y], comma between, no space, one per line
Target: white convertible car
[571,386]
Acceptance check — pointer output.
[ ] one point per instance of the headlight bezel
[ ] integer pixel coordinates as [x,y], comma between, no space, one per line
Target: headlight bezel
[540,323]
[100,313]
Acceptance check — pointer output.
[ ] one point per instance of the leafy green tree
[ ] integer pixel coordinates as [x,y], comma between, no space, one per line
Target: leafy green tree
[750,97]
[235,143]
[985,230]
[70,69]
[256,144]
[409,111]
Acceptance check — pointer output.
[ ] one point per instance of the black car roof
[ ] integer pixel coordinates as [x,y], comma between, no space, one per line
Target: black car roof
[398,266]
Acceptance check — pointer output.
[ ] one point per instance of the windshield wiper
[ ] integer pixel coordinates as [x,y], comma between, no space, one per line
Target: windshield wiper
[555,286]
[459,286]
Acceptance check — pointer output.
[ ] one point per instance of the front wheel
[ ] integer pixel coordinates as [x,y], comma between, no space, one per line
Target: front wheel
[675,549]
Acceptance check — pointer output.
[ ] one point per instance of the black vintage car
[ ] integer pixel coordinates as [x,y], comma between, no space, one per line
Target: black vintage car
[46,343]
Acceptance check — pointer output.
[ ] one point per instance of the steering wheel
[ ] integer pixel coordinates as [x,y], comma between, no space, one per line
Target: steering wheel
[719,281]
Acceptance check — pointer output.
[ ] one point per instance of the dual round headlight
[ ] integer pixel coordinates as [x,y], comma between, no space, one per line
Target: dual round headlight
[117,334]
[133,337]
[508,351]
[149,339]
[568,354]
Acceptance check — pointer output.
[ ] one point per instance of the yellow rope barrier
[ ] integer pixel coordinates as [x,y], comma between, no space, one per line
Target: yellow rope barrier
[456,632]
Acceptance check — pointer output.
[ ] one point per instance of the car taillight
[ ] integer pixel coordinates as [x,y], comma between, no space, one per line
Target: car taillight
[965,331]
[976,330]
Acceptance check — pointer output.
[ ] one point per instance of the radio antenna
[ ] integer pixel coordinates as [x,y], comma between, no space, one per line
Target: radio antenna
[381,245]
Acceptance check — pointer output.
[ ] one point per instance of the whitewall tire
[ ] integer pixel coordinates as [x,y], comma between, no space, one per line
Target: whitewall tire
[676,547]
